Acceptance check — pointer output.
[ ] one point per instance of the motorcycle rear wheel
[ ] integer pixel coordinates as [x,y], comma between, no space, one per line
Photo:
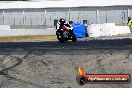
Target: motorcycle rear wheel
[61,40]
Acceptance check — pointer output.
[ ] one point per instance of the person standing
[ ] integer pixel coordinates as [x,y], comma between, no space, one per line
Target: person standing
[129,23]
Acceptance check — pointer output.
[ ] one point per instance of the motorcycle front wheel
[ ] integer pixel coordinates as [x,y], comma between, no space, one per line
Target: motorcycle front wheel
[74,38]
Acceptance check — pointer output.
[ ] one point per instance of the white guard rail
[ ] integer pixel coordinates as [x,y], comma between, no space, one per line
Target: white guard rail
[106,29]
[6,31]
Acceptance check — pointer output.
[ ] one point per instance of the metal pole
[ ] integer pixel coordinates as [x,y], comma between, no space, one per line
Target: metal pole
[25,19]
[78,17]
[31,21]
[23,16]
[9,18]
[0,19]
[97,12]
[38,21]
[3,17]
[65,16]
[69,14]
[41,21]
[123,17]
[14,22]
[128,12]
[45,18]
[20,23]
[41,18]
[50,18]
[106,17]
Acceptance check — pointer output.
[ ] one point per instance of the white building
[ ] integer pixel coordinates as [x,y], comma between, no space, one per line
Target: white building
[31,14]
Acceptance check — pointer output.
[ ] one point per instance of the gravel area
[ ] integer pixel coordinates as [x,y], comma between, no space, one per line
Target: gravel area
[52,64]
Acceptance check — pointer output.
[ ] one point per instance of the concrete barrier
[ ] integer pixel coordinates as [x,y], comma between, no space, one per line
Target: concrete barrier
[4,27]
[121,30]
[107,29]
[94,30]
[6,31]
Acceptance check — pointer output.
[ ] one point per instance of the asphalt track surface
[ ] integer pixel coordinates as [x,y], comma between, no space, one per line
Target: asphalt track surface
[52,64]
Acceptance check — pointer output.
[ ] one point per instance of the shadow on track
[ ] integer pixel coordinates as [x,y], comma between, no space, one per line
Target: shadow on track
[98,44]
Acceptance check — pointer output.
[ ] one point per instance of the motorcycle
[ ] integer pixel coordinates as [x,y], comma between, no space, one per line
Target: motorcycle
[65,34]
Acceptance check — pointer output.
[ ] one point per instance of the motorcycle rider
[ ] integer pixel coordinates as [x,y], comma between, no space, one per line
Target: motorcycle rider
[60,26]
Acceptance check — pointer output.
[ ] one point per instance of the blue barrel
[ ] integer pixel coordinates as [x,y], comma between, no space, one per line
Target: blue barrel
[79,29]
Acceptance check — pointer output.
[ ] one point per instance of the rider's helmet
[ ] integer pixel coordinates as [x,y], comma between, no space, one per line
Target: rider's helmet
[62,20]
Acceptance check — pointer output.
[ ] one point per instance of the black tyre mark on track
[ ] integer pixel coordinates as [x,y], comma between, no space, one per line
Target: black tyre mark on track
[128,55]
[25,82]
[19,61]
[44,63]
[100,66]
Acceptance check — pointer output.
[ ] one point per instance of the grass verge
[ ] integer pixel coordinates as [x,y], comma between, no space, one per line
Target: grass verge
[28,38]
